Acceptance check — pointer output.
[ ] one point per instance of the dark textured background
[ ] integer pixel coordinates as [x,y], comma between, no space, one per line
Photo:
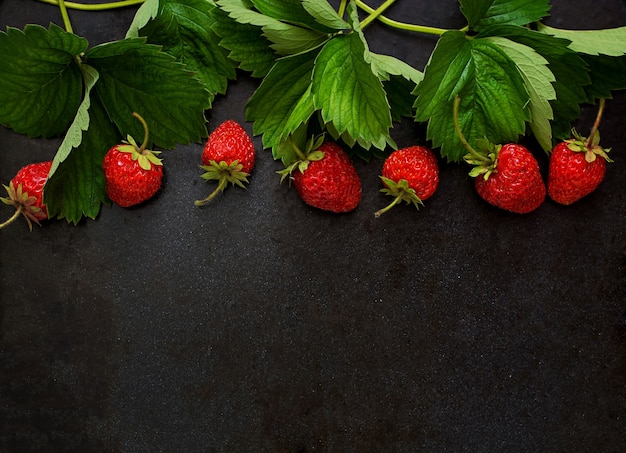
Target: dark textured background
[259,324]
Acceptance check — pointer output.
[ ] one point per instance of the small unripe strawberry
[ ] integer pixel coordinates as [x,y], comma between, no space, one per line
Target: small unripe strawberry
[228,157]
[325,177]
[25,192]
[411,175]
[132,173]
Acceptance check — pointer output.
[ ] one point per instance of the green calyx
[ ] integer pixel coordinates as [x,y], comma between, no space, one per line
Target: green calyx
[401,192]
[309,154]
[590,146]
[484,160]
[24,205]
[225,174]
[144,157]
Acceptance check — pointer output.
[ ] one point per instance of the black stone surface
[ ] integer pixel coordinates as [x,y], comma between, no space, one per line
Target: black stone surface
[260,324]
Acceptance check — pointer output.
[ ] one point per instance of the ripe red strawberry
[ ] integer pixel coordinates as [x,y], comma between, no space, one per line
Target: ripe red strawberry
[25,192]
[509,178]
[325,178]
[228,157]
[411,175]
[132,173]
[575,169]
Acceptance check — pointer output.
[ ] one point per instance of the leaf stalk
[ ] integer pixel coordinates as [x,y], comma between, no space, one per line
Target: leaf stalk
[65,16]
[377,13]
[396,24]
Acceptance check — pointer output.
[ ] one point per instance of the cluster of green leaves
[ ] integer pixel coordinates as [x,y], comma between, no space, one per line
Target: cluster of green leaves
[53,84]
[315,66]
[514,76]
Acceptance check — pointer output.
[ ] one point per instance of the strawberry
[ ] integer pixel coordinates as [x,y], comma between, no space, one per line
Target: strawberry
[25,192]
[575,167]
[325,177]
[132,173]
[228,157]
[410,174]
[507,176]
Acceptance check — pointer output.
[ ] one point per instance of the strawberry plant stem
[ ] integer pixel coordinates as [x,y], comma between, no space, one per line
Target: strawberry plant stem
[457,127]
[401,25]
[342,7]
[146,134]
[596,124]
[220,188]
[380,212]
[376,13]
[15,215]
[65,16]
[297,149]
[95,6]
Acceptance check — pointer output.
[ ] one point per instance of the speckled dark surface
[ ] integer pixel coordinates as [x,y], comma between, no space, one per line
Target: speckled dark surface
[260,324]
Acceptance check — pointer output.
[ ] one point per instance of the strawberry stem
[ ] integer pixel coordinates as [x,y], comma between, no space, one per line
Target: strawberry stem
[400,25]
[596,124]
[220,188]
[146,135]
[376,13]
[457,127]
[297,149]
[15,215]
[65,16]
[380,212]
[342,8]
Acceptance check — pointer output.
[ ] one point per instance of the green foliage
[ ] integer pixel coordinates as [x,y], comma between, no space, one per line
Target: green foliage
[183,28]
[40,81]
[494,98]
[317,76]
[139,77]
[484,13]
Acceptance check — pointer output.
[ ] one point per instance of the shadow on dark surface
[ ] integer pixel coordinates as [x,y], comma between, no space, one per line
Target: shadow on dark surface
[259,324]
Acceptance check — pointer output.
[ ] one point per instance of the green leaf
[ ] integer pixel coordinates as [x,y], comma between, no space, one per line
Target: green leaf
[324,13]
[146,12]
[138,77]
[245,43]
[292,11]
[611,42]
[385,65]
[40,81]
[77,188]
[570,70]
[608,74]
[283,100]
[287,39]
[74,134]
[538,80]
[349,94]
[183,28]
[494,100]
[483,13]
